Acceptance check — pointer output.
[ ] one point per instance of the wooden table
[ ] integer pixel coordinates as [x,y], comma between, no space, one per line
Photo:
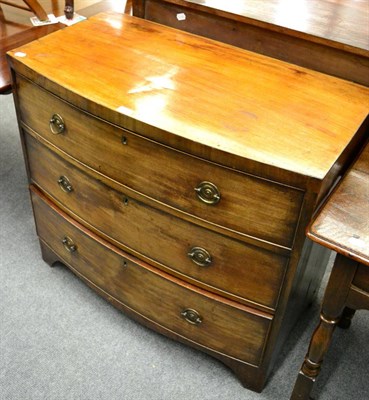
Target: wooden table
[330,36]
[343,226]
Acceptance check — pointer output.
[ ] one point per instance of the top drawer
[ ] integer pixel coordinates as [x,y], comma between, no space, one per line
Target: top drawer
[233,200]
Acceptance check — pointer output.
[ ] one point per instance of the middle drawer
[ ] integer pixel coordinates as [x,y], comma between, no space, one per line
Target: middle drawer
[211,260]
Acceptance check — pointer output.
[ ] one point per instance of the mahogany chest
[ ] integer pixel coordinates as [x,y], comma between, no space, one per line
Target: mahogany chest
[176,175]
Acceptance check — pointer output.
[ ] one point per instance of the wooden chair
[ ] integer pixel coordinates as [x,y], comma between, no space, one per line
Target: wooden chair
[29,5]
[35,7]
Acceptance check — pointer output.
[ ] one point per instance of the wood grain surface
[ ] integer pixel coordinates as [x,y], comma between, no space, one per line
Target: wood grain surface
[343,22]
[258,108]
[343,223]
[327,36]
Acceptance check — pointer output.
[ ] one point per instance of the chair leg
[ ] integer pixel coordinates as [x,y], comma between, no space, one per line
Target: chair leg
[37,9]
[333,305]
[128,7]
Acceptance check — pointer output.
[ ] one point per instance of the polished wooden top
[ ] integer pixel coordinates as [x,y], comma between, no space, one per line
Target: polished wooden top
[343,223]
[204,91]
[341,21]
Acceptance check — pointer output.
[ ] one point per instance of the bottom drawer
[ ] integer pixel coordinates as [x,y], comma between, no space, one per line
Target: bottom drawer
[206,319]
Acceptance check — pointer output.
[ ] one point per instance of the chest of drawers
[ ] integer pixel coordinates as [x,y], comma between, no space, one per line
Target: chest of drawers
[179,187]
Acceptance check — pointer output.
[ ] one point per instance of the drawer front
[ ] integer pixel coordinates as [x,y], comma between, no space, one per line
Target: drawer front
[249,205]
[219,325]
[224,265]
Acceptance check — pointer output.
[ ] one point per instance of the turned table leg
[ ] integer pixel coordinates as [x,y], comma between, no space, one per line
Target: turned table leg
[333,305]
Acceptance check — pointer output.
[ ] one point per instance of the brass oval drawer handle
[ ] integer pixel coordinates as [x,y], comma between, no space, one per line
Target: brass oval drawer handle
[208,193]
[191,316]
[64,184]
[57,124]
[200,256]
[69,244]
